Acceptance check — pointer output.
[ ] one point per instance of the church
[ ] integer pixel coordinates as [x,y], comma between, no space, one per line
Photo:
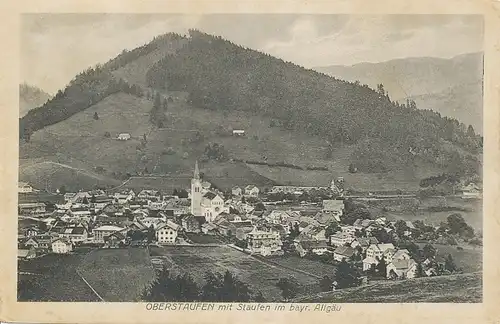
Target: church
[203,201]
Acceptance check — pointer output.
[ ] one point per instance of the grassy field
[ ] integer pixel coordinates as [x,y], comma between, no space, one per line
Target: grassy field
[260,276]
[314,267]
[118,274]
[57,279]
[462,288]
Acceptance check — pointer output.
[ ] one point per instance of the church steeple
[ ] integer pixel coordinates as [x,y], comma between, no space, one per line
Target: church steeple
[196,171]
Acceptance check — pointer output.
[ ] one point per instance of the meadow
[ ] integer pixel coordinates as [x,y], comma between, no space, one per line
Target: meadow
[260,275]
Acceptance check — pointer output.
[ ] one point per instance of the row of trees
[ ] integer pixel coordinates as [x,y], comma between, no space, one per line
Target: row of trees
[217,288]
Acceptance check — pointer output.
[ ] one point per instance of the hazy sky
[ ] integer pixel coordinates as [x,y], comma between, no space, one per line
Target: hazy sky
[55,47]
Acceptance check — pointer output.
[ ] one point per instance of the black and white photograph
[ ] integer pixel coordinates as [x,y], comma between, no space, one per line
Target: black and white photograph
[250,158]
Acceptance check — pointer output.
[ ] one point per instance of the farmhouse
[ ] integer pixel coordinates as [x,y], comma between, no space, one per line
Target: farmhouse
[238,132]
[24,187]
[251,191]
[236,191]
[62,246]
[167,233]
[124,137]
[316,247]
[339,239]
[343,253]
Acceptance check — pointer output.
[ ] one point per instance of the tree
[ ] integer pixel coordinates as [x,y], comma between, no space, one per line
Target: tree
[326,283]
[470,132]
[62,190]
[96,116]
[93,199]
[107,134]
[429,251]
[346,275]
[419,273]
[85,201]
[151,235]
[331,229]
[157,102]
[449,264]
[400,227]
[381,267]
[289,287]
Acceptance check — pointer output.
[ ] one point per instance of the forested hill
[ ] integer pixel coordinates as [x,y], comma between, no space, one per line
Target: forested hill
[220,75]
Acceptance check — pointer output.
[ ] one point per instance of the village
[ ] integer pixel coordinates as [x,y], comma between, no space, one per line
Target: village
[324,226]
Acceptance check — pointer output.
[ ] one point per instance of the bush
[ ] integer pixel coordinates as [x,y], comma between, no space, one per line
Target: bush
[107,134]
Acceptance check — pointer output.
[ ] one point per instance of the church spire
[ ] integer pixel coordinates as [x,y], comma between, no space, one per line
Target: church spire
[196,170]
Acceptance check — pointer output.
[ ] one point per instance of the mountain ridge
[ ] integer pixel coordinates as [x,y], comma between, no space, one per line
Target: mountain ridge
[31,97]
[204,75]
[423,79]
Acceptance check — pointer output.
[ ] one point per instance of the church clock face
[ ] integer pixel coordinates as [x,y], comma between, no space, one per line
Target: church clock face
[217,209]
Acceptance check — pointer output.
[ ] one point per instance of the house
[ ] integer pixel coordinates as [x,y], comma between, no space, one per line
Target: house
[236,191]
[167,233]
[44,241]
[80,212]
[334,206]
[26,254]
[264,242]
[374,253]
[238,132]
[209,228]
[103,231]
[30,231]
[340,239]
[68,197]
[471,191]
[31,208]
[363,242]
[115,240]
[348,229]
[343,253]
[325,218]
[315,232]
[124,137]
[149,195]
[24,187]
[31,242]
[251,191]
[62,246]
[316,247]
[74,234]
[191,224]
[402,269]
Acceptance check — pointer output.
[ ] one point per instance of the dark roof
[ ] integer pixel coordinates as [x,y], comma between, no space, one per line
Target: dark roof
[210,195]
[344,250]
[306,245]
[200,219]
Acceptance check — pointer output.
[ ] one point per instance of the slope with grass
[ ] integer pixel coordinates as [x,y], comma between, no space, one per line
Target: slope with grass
[460,288]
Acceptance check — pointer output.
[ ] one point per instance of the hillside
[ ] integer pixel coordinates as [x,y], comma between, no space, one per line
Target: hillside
[460,288]
[290,115]
[31,97]
[452,87]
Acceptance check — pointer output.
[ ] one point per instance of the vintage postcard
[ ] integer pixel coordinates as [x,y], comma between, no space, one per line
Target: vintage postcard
[234,162]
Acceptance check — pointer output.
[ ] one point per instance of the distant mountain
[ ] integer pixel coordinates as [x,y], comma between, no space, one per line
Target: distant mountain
[452,87]
[31,97]
[302,127]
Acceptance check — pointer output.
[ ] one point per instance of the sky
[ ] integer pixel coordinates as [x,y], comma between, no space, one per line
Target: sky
[56,47]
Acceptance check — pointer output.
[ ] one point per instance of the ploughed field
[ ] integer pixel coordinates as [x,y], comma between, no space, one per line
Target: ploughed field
[260,274]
